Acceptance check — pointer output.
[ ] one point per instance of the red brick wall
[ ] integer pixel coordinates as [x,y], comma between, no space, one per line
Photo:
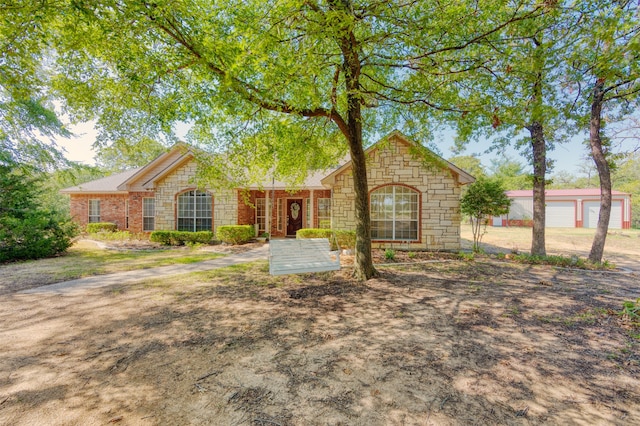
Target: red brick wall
[246,213]
[112,208]
[135,209]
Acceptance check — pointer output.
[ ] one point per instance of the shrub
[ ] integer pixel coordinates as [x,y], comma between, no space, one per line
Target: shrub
[28,229]
[318,233]
[180,238]
[390,254]
[235,234]
[338,239]
[94,228]
[314,233]
[346,239]
[115,236]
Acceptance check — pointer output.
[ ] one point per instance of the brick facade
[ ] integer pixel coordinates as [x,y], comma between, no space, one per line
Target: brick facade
[393,162]
[247,202]
[112,208]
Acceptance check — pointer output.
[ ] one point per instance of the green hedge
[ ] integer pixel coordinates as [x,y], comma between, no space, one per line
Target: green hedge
[344,239]
[235,234]
[94,228]
[314,233]
[180,238]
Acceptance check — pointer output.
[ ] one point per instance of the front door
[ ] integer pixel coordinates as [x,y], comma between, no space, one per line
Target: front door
[294,216]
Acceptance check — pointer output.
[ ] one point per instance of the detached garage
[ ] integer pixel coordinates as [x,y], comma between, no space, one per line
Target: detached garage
[568,208]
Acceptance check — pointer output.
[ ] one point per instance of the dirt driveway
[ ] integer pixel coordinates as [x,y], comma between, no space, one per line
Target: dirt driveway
[451,342]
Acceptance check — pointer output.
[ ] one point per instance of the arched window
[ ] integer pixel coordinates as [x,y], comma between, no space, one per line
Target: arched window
[394,213]
[194,211]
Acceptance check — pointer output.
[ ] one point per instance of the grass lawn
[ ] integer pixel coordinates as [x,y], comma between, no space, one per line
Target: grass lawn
[621,244]
[86,259]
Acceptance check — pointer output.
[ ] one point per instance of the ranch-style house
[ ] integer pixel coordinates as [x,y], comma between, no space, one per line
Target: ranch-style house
[414,197]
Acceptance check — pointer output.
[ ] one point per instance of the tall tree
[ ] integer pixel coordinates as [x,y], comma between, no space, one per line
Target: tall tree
[510,172]
[283,80]
[470,164]
[123,154]
[28,122]
[626,178]
[607,65]
[518,88]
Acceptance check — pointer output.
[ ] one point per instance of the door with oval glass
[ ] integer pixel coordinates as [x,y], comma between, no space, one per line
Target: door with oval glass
[294,216]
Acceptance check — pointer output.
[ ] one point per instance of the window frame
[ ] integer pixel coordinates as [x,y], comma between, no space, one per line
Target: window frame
[193,208]
[279,214]
[146,216]
[261,219]
[91,213]
[385,217]
[320,217]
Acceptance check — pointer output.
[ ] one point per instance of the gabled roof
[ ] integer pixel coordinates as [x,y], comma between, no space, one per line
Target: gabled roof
[578,192]
[104,185]
[145,178]
[159,167]
[462,176]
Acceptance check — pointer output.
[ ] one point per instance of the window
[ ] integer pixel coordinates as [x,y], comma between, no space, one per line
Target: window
[94,211]
[324,212]
[148,214]
[394,213]
[194,211]
[126,214]
[279,213]
[261,215]
[307,204]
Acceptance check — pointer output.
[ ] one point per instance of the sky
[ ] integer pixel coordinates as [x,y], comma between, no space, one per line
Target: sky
[567,156]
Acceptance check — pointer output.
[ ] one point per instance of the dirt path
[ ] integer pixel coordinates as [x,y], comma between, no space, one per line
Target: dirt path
[441,344]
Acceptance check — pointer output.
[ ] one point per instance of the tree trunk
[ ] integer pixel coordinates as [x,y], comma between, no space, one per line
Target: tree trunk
[599,157]
[364,269]
[539,148]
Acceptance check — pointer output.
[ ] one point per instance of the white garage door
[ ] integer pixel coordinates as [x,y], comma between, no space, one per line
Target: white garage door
[561,214]
[592,211]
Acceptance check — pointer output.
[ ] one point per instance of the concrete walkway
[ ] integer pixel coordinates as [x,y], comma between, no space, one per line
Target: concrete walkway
[66,287]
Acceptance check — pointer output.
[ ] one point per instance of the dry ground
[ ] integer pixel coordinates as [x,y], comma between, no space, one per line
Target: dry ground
[449,342]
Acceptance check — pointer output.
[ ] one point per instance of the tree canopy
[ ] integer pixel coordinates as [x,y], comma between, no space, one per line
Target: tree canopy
[28,122]
[281,83]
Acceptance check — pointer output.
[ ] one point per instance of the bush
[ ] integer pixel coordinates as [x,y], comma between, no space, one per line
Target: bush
[235,234]
[35,236]
[314,233]
[28,229]
[317,233]
[94,228]
[346,239]
[180,238]
[120,236]
[390,254]
[338,239]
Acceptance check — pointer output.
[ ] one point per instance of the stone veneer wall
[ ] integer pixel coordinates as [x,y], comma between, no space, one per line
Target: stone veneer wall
[392,163]
[225,202]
